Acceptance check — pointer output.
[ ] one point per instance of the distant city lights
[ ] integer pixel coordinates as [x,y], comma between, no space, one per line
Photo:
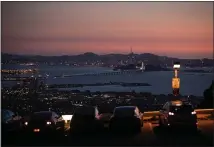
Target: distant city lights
[20,71]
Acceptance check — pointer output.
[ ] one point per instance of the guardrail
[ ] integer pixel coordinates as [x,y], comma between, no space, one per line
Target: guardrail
[151,115]
[197,110]
[201,114]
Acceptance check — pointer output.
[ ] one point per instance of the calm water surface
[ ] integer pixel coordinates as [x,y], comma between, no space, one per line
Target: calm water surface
[191,83]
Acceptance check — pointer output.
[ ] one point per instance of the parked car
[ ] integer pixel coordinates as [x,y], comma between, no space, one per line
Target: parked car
[45,122]
[11,121]
[178,113]
[85,119]
[105,119]
[126,118]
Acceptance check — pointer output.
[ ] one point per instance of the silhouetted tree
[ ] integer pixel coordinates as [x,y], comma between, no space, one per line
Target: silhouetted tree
[208,97]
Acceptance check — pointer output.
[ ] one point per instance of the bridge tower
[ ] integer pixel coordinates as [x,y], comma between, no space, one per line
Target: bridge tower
[142,67]
[176,79]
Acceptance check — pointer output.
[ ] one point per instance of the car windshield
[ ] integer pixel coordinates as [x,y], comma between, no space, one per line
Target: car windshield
[84,111]
[124,112]
[182,108]
[41,116]
[4,114]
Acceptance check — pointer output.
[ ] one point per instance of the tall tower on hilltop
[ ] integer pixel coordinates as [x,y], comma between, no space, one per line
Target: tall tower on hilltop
[131,57]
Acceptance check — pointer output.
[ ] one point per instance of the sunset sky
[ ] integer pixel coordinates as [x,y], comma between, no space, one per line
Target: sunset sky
[176,29]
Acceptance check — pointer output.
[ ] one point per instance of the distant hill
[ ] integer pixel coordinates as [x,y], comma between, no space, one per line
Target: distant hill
[147,58]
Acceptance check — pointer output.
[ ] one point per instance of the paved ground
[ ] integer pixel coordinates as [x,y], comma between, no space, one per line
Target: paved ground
[151,134]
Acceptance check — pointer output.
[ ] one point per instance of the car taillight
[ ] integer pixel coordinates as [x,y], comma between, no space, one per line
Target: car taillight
[171,113]
[193,113]
[48,123]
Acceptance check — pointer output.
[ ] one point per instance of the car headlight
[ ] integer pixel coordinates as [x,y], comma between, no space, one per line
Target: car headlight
[171,113]
[193,113]
[48,123]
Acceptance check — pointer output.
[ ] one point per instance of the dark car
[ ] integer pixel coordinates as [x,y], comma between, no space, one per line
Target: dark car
[105,119]
[178,113]
[45,122]
[11,121]
[85,119]
[126,118]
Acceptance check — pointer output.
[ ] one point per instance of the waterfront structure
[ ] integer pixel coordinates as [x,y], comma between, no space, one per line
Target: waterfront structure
[142,67]
[130,64]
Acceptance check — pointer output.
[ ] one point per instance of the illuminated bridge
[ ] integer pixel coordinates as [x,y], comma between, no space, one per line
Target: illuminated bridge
[102,74]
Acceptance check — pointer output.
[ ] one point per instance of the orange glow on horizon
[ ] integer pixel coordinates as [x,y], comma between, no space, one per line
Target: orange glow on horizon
[178,29]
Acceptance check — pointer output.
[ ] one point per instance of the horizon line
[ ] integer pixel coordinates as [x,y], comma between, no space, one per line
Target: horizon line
[21,54]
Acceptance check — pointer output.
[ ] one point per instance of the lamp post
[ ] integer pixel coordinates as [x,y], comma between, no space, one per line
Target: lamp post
[176,79]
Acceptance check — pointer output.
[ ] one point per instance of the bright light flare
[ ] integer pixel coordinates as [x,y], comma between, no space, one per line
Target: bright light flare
[171,113]
[67,117]
[193,113]
[177,66]
[48,123]
[26,123]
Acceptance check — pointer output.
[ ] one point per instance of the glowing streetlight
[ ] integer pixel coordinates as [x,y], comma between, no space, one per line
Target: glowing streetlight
[175,79]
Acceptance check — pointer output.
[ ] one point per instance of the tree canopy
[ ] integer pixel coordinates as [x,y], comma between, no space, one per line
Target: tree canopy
[208,97]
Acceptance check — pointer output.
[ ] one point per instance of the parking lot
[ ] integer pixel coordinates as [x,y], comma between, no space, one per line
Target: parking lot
[151,134]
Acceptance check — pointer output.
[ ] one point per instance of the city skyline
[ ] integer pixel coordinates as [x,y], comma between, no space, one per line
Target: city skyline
[173,29]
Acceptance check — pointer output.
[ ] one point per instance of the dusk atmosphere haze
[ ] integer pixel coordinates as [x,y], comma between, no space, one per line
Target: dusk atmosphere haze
[83,73]
[174,29]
